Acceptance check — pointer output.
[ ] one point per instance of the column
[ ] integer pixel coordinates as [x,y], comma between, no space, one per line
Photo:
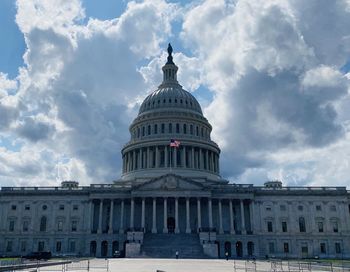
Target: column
[177,215]
[221,230]
[121,228]
[188,227]
[210,213]
[110,229]
[140,158]
[200,158]
[242,217]
[183,156]
[148,158]
[157,157]
[207,160]
[166,156]
[251,213]
[154,221]
[90,218]
[100,217]
[165,227]
[132,210]
[192,157]
[143,215]
[212,160]
[174,157]
[232,226]
[199,217]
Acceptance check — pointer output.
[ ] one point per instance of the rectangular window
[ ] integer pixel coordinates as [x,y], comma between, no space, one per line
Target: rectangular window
[23,246]
[58,246]
[318,208]
[271,247]
[268,208]
[177,128]
[323,248]
[335,226]
[185,128]
[304,249]
[27,207]
[191,129]
[74,225]
[61,207]
[72,246]
[41,246]
[9,246]
[285,247]
[149,130]
[333,208]
[170,128]
[320,226]
[143,131]
[283,208]
[155,129]
[60,225]
[269,226]
[337,248]
[300,208]
[75,207]
[25,226]
[284,227]
[12,225]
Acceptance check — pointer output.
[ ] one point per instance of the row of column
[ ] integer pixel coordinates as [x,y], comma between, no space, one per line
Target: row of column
[165,210]
[166,156]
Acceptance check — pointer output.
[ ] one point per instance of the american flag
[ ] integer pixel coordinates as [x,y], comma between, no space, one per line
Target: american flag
[174,143]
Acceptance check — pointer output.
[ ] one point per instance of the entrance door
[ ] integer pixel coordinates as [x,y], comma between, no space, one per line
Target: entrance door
[239,249]
[171,224]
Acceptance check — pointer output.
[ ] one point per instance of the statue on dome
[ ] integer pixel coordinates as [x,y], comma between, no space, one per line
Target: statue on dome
[170,57]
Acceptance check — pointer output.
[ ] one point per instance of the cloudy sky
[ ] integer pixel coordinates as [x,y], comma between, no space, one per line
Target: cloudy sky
[272,78]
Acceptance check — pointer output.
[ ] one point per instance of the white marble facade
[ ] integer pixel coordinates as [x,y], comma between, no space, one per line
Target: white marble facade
[175,190]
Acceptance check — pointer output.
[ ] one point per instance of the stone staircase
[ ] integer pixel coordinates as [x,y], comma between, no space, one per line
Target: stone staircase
[166,245]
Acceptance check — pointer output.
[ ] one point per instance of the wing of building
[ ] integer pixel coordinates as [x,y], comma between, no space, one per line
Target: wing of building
[171,198]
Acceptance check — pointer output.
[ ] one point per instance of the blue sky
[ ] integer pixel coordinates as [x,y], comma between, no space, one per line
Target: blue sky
[272,79]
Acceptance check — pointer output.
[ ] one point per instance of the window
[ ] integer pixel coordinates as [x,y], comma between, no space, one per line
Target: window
[323,248]
[202,132]
[284,226]
[318,208]
[271,247]
[25,226]
[285,247]
[41,246]
[27,207]
[333,208]
[44,207]
[61,207]
[302,227]
[177,128]
[337,248]
[23,246]
[170,128]
[304,249]
[335,226]
[320,226]
[268,208]
[149,130]
[155,129]
[43,223]
[300,208]
[75,207]
[58,246]
[12,225]
[60,225]
[72,246]
[185,128]
[162,128]
[191,129]
[138,132]
[143,131]
[197,131]
[74,225]
[13,207]
[9,246]
[283,208]
[269,226]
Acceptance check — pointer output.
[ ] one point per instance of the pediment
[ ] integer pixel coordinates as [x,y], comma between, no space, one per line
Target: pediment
[170,182]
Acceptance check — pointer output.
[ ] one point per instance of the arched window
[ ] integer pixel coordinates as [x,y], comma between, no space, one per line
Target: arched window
[191,129]
[185,128]
[155,129]
[177,128]
[149,130]
[170,128]
[197,131]
[143,131]
[302,227]
[43,223]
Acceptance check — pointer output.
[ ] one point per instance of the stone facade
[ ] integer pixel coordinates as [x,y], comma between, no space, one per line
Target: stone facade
[175,192]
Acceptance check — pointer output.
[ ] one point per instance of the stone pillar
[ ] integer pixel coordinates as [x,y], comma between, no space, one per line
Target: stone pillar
[132,211]
[166,156]
[242,217]
[157,157]
[188,226]
[183,156]
[121,227]
[90,217]
[199,216]
[140,158]
[100,217]
[177,230]
[221,230]
[212,161]
[165,227]
[110,228]
[192,157]
[251,216]
[134,160]
[210,213]
[207,160]
[143,215]
[200,158]
[154,221]
[232,226]
[148,158]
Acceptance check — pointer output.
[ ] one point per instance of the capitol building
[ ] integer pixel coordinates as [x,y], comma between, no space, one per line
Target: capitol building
[171,198]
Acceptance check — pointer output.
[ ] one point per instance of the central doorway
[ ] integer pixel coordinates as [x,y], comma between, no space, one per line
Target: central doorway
[171,224]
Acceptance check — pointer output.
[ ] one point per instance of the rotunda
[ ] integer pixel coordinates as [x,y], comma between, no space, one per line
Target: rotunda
[168,115]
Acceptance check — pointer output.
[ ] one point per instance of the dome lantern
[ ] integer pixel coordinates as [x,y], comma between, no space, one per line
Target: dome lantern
[170,69]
